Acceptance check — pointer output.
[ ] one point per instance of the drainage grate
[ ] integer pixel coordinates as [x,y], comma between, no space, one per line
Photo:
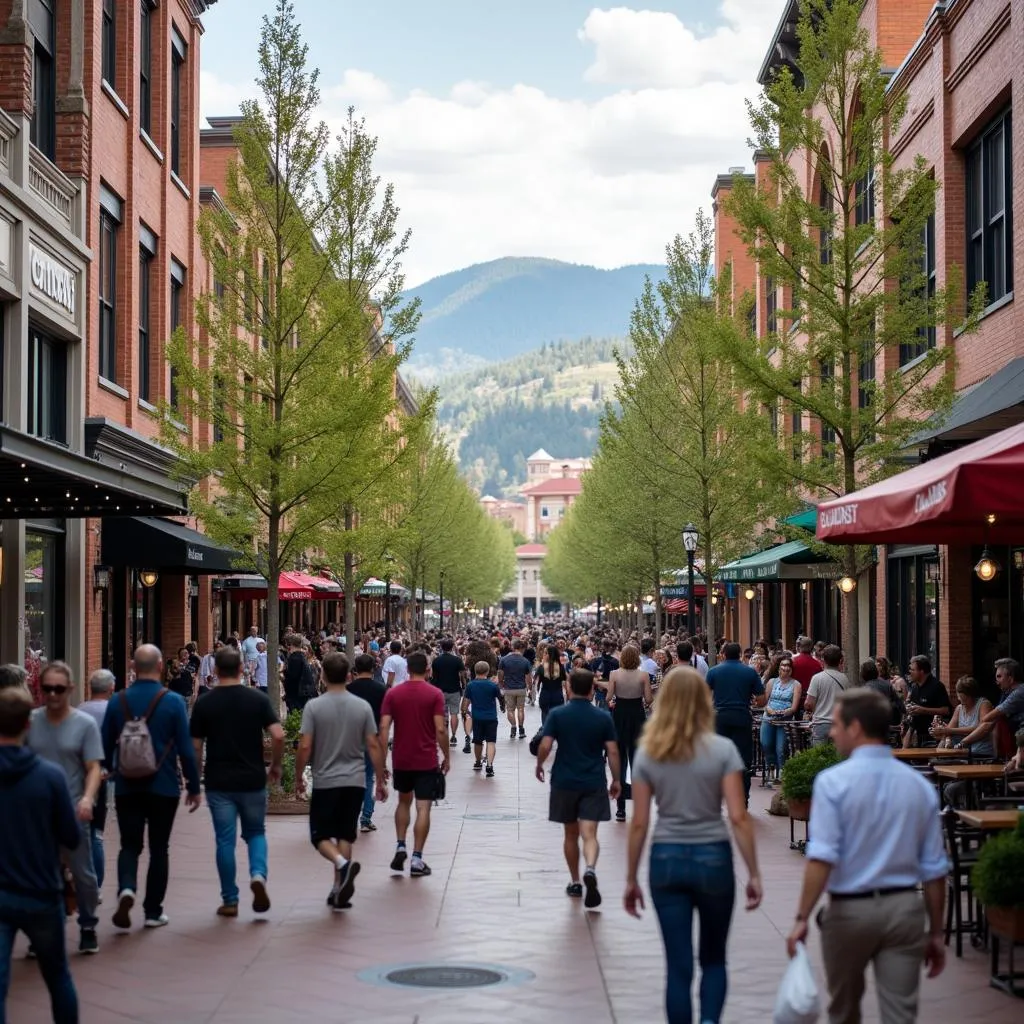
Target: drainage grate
[445,976]
[496,817]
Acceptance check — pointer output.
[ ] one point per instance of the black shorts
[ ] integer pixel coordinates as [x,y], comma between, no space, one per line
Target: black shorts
[334,813]
[485,732]
[567,806]
[422,784]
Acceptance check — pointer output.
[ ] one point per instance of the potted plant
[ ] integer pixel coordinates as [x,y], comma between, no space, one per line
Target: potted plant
[998,882]
[798,775]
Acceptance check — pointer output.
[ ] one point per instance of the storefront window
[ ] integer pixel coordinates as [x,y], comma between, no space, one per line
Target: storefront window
[998,618]
[43,595]
[913,606]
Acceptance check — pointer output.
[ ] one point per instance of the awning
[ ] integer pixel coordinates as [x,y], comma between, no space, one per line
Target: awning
[41,478]
[677,606]
[948,500]
[374,587]
[994,404]
[291,586]
[164,544]
[792,561]
[805,520]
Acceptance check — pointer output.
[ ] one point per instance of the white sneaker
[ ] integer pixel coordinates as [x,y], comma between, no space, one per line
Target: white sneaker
[123,915]
[157,922]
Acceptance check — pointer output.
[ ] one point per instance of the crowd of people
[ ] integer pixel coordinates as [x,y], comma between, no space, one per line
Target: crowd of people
[658,721]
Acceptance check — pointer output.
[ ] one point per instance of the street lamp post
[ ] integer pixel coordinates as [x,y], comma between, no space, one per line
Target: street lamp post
[440,599]
[599,609]
[690,538]
[390,560]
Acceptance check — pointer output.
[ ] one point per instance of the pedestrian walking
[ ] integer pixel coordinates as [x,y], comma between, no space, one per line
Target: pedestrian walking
[338,731]
[71,739]
[629,686]
[690,771]
[481,701]
[38,822]
[101,689]
[552,681]
[145,739]
[365,685]
[448,674]
[230,722]
[513,670]
[734,688]
[259,677]
[824,689]
[417,711]
[874,838]
[579,787]
[396,668]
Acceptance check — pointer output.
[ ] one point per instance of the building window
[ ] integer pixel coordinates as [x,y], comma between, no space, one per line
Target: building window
[218,406]
[926,336]
[864,195]
[796,421]
[989,215]
[110,221]
[43,131]
[177,320]
[146,67]
[866,384]
[543,511]
[47,387]
[265,311]
[109,42]
[771,304]
[772,409]
[827,203]
[178,56]
[826,375]
[752,319]
[145,371]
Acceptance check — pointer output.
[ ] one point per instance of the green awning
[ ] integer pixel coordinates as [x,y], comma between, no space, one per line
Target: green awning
[792,561]
[805,520]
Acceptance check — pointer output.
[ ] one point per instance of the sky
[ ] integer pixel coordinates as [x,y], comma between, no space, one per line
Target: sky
[551,128]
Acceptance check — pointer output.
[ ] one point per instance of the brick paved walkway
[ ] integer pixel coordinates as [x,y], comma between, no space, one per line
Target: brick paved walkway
[496,896]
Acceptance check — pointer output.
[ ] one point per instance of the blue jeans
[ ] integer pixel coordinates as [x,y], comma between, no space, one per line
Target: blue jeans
[42,920]
[773,743]
[227,809]
[685,878]
[368,801]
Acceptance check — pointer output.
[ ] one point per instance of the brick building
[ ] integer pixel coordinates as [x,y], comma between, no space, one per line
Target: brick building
[959,62]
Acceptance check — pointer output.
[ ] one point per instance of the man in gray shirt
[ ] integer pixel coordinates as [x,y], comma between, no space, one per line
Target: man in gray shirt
[822,693]
[71,738]
[101,688]
[338,731]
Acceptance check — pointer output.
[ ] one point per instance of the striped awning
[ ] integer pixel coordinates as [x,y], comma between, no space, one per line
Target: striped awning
[677,606]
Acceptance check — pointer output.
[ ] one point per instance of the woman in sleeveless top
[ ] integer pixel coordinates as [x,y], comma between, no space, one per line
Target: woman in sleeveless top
[628,686]
[781,706]
[969,712]
[551,681]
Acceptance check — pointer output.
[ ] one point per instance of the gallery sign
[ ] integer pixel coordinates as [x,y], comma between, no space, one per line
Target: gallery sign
[53,279]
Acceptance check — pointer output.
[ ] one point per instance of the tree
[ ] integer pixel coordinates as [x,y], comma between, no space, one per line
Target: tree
[284,409]
[847,260]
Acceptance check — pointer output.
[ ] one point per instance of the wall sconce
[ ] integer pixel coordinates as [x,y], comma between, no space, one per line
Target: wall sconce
[714,599]
[100,577]
[803,586]
[847,584]
[750,593]
[987,568]
[1018,559]
[193,590]
[148,578]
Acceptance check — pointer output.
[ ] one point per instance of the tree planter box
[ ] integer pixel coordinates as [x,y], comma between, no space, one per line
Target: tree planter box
[1006,922]
[287,805]
[799,810]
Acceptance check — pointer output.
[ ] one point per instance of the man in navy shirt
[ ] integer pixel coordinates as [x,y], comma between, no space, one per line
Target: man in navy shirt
[579,786]
[481,701]
[734,686]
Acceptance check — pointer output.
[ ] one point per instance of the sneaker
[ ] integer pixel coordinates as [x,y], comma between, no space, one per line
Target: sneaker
[522,733]
[490,771]
[454,742]
[224,910]
[620,815]
[512,733]
[477,765]
[347,883]
[419,870]
[367,826]
[398,861]
[593,897]
[88,944]
[122,916]
[160,921]
[260,899]
[575,890]
[466,747]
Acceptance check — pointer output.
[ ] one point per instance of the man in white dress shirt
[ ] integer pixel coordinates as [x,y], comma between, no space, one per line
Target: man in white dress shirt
[875,836]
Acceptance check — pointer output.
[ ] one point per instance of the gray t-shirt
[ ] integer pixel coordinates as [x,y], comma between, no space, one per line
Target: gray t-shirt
[96,709]
[69,744]
[689,793]
[339,723]
[824,688]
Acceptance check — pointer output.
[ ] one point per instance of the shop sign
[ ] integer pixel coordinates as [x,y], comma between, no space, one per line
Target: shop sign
[53,279]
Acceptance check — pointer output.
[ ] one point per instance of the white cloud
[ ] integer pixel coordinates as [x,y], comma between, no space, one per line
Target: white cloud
[482,172]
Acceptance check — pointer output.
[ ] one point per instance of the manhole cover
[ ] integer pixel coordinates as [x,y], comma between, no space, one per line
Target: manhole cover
[445,977]
[496,817]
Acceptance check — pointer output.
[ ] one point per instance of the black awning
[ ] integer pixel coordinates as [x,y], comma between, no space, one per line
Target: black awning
[993,405]
[41,478]
[146,543]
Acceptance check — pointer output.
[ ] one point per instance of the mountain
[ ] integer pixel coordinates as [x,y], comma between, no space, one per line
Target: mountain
[510,306]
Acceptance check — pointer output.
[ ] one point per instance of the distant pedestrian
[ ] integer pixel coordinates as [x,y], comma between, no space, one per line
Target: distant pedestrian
[366,686]
[101,689]
[38,821]
[513,671]
[448,674]
[825,687]
[481,702]
[396,668]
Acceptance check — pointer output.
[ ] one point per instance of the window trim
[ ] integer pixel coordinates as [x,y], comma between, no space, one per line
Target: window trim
[146,66]
[107,294]
[43,128]
[146,257]
[179,56]
[771,305]
[927,337]
[39,339]
[175,319]
[108,48]
[980,240]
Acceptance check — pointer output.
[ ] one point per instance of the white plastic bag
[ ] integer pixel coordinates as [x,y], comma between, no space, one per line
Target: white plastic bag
[798,1001]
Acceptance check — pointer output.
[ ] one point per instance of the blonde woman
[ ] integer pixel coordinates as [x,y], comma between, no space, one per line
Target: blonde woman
[689,770]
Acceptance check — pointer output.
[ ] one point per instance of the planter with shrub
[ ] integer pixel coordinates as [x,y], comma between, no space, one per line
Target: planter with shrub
[283,799]
[998,882]
[798,775]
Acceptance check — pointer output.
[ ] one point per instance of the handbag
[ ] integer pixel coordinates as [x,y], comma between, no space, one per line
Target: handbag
[440,787]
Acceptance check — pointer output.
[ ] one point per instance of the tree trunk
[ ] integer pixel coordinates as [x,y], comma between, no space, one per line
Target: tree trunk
[350,596]
[273,611]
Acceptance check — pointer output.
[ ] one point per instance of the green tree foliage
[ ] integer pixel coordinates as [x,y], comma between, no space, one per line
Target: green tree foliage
[846,262]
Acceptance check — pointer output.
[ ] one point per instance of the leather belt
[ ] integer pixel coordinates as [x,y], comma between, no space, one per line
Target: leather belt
[872,893]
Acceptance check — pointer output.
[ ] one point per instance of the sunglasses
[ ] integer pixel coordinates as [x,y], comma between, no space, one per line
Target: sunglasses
[53,689]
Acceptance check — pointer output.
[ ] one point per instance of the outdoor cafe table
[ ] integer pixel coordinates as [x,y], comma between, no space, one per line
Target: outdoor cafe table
[927,753]
[971,774]
[990,821]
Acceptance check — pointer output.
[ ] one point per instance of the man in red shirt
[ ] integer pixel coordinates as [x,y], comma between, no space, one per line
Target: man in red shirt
[417,710]
[805,666]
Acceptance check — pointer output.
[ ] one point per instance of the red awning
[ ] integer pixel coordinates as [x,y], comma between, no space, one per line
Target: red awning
[677,606]
[971,495]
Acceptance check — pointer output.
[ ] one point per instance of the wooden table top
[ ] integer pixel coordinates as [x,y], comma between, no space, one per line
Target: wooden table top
[970,771]
[991,821]
[925,753]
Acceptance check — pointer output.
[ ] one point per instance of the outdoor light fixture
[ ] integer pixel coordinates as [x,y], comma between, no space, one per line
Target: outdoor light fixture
[750,593]
[714,599]
[1018,559]
[690,537]
[148,578]
[101,577]
[987,568]
[847,584]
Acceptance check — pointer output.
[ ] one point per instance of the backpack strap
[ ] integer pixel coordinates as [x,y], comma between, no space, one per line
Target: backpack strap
[157,697]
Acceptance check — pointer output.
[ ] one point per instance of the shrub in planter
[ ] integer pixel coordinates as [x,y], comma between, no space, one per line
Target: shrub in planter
[799,773]
[998,881]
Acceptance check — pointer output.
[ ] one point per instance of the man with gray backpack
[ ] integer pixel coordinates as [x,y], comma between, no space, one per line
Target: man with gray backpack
[145,736]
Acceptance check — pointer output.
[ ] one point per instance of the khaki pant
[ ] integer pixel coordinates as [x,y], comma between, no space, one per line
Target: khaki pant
[889,933]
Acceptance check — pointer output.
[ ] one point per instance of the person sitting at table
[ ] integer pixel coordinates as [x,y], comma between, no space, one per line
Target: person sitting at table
[1007,718]
[968,713]
[927,698]
[1016,764]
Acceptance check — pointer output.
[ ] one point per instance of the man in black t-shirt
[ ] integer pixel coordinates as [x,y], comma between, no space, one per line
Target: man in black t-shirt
[448,674]
[927,698]
[363,685]
[231,720]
